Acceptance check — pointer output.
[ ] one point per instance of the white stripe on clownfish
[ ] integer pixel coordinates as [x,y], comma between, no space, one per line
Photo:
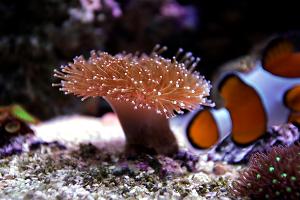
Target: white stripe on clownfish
[271,90]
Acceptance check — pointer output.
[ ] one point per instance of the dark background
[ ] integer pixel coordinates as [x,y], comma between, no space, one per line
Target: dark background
[37,36]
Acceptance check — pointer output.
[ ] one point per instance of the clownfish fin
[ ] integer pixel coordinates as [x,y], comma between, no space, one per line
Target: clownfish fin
[281,58]
[247,112]
[292,99]
[208,127]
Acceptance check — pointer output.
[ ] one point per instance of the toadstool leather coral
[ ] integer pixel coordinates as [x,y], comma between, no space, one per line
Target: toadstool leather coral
[144,90]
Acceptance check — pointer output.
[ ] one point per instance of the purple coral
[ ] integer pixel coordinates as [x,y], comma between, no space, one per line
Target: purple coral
[13,146]
[114,7]
[91,5]
[187,160]
[90,9]
[185,15]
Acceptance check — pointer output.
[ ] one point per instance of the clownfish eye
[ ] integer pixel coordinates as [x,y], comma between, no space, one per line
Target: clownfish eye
[12,127]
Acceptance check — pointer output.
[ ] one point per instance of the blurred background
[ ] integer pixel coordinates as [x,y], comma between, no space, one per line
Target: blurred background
[37,36]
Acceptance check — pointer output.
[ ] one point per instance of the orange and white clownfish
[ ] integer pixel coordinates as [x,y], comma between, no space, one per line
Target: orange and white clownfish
[266,95]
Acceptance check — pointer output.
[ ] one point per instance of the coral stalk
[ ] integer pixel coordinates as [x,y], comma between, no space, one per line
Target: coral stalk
[144,129]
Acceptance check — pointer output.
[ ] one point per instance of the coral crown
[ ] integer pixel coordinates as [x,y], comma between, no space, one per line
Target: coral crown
[147,81]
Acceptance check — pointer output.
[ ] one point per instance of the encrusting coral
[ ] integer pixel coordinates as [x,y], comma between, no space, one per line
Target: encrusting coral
[274,175]
[144,90]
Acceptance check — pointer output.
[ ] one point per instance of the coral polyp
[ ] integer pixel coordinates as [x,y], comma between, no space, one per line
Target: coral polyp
[144,90]
[272,175]
[146,81]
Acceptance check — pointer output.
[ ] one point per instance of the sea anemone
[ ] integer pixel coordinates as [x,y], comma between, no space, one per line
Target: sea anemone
[144,90]
[272,175]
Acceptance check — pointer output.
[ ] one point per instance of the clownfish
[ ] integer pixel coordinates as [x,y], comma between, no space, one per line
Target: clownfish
[266,95]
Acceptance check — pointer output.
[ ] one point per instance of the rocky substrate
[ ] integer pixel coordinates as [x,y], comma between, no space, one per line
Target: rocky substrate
[89,173]
[71,169]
